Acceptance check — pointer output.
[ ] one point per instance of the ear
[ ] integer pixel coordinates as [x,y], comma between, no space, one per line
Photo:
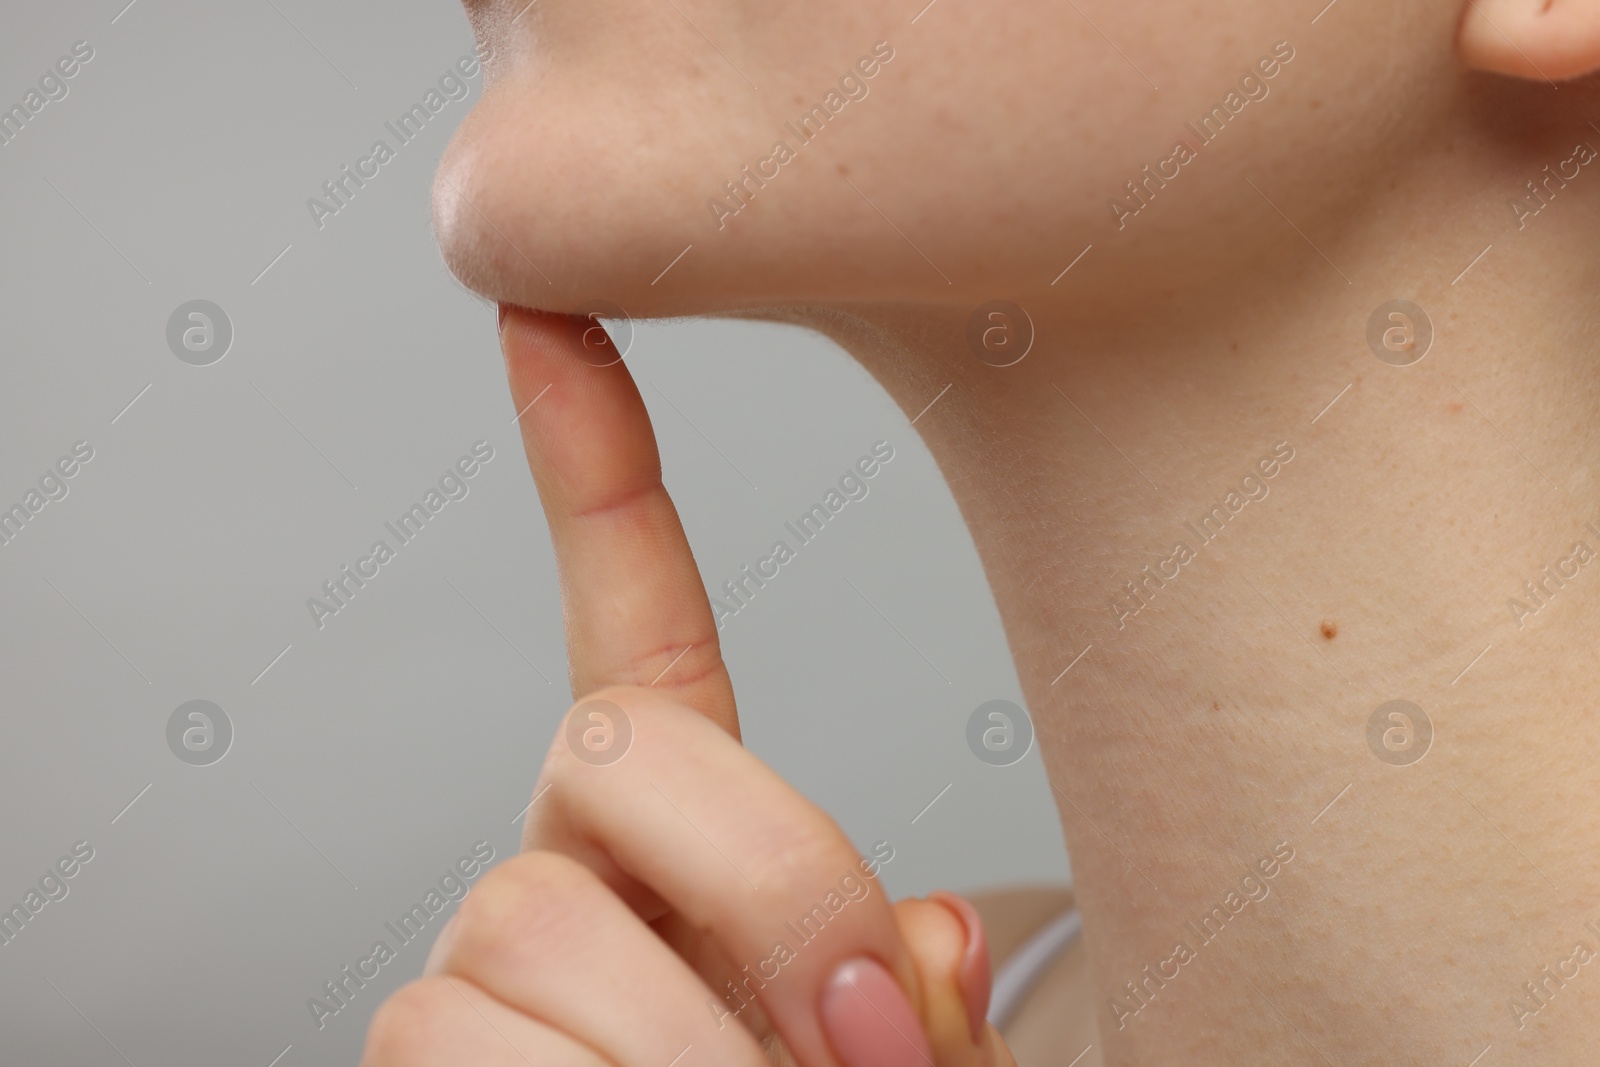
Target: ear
[1545,40]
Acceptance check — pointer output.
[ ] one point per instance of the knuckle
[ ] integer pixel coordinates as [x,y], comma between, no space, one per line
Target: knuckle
[670,726]
[680,669]
[415,1018]
[801,853]
[687,657]
[799,845]
[630,501]
[527,902]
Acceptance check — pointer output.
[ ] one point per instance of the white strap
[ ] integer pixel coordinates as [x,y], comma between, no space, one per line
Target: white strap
[1015,978]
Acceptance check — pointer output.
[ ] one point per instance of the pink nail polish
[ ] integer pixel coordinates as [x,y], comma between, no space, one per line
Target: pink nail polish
[868,1019]
[974,975]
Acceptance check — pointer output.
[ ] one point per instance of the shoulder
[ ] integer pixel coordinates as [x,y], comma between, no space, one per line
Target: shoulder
[1058,1014]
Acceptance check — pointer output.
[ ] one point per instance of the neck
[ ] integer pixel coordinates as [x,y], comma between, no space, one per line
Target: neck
[1244,533]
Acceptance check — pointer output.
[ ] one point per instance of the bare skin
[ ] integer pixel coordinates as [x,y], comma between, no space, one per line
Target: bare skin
[627,893]
[1261,879]
[1220,721]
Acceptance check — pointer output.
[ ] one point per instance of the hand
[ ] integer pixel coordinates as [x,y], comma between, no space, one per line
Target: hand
[680,906]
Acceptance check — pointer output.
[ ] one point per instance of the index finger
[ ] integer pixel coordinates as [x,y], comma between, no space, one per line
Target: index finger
[690,820]
[634,607]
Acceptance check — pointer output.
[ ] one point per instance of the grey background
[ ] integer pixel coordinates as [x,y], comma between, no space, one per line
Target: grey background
[376,751]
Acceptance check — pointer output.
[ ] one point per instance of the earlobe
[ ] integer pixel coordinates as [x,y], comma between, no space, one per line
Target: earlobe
[1544,40]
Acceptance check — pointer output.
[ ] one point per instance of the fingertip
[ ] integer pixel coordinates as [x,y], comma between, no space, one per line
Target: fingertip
[940,943]
[525,332]
[576,341]
[974,973]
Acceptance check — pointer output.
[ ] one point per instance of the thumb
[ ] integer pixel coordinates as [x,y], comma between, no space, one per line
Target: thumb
[945,939]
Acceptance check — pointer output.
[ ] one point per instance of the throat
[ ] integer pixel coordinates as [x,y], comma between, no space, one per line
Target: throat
[1273,597]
